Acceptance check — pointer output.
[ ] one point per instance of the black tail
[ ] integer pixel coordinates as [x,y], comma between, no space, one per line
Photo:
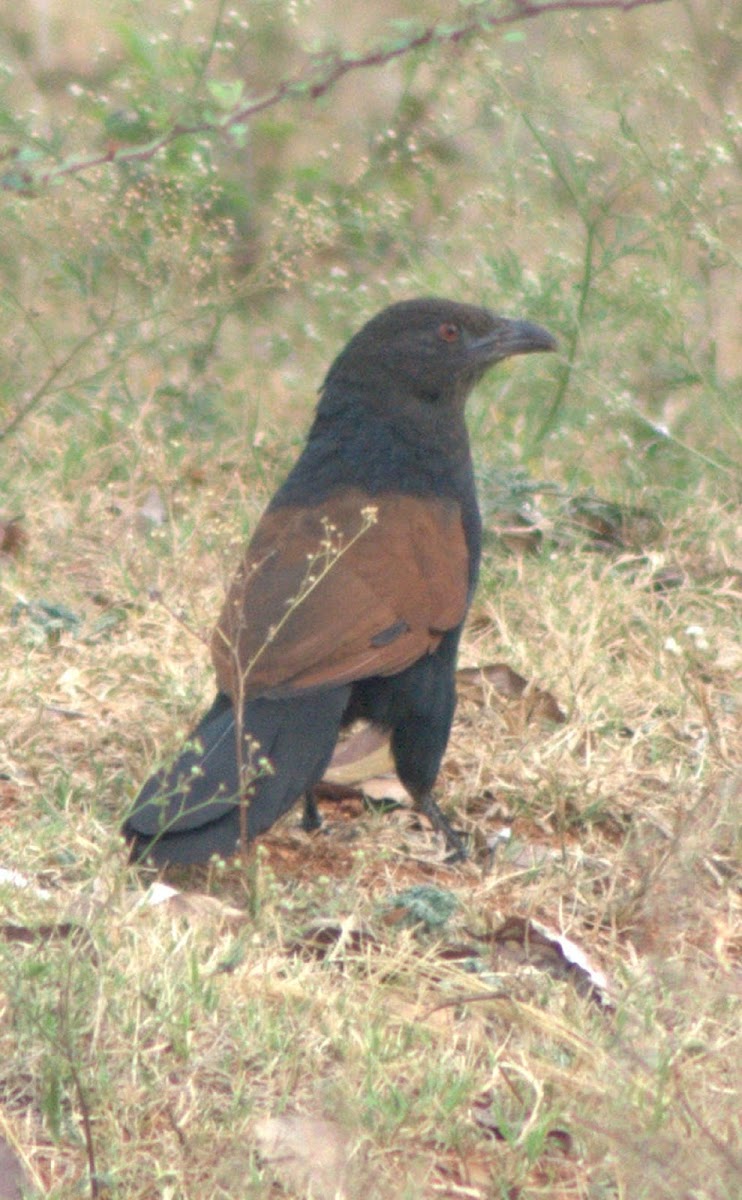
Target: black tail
[190,810]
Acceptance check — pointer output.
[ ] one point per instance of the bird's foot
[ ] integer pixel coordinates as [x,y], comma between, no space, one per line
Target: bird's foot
[454,838]
[312,819]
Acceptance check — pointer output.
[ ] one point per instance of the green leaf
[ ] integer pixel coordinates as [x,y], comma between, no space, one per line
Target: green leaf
[227,94]
[139,49]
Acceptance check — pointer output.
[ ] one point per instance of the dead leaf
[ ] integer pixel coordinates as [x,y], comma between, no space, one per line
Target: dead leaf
[333,939]
[13,537]
[193,905]
[517,529]
[477,684]
[529,941]
[484,1116]
[561,1140]
[195,474]
[28,934]
[306,1154]
[9,794]
[461,952]
[14,1183]
[666,578]
[609,526]
[363,753]
[463,1174]
[484,1112]
[529,856]
[404,1009]
[12,878]
[363,758]
[386,791]
[152,510]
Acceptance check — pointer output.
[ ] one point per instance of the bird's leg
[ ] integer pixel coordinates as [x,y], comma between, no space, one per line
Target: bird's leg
[454,841]
[311,819]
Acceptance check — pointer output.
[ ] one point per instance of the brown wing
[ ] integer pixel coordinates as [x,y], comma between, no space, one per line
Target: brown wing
[352,587]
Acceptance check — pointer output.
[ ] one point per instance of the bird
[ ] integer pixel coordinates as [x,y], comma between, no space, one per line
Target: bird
[352,594]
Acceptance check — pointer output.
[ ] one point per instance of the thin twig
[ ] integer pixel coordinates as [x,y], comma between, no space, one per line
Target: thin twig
[27,181]
[724,1149]
[71,1055]
[44,387]
[467,998]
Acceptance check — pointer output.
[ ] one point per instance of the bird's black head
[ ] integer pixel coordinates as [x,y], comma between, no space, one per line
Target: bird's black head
[432,349]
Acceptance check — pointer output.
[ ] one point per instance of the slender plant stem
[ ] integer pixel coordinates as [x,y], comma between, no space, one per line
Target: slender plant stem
[320,74]
[565,373]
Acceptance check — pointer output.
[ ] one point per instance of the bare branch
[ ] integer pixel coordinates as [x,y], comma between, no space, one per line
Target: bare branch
[318,78]
[34,400]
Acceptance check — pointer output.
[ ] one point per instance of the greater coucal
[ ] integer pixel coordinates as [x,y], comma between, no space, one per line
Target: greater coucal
[353,591]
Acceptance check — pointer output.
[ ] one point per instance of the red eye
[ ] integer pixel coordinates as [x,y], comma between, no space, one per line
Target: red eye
[448,332]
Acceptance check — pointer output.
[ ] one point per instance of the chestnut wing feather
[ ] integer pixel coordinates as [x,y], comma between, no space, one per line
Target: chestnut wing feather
[328,594]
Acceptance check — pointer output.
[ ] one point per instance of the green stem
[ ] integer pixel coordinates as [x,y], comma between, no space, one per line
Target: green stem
[552,413]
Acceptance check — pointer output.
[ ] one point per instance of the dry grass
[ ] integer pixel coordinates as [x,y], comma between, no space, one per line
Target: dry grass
[178,1032]
[153,1042]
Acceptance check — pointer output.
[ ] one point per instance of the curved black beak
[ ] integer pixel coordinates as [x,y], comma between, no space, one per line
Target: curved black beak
[513,337]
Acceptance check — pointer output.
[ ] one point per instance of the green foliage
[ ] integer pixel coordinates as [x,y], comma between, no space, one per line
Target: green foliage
[493,174]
